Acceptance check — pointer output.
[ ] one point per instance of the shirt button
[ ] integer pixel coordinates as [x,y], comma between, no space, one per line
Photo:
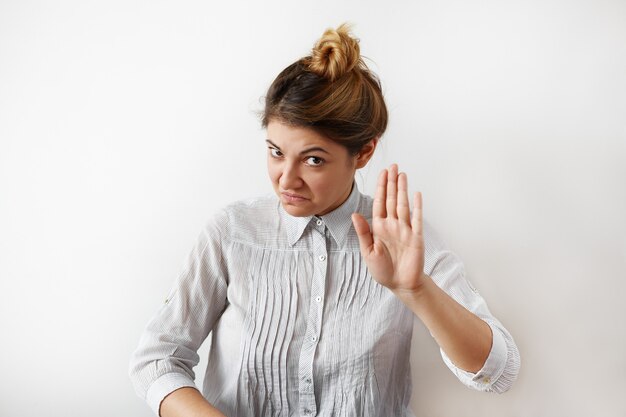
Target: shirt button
[318,298]
[308,380]
[322,258]
[307,411]
[319,222]
[313,338]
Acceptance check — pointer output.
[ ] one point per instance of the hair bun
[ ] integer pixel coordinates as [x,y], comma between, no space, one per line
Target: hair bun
[335,53]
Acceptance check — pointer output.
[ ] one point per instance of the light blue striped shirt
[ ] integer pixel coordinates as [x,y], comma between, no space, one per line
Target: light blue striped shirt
[297,325]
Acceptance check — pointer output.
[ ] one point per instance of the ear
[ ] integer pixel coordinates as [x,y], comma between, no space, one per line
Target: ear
[364,155]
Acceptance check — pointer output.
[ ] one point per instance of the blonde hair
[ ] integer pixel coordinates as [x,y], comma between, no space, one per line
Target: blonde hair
[331,91]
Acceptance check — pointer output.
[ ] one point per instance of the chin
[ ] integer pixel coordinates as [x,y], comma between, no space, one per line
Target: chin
[296,211]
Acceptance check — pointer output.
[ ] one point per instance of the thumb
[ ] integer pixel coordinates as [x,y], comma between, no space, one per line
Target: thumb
[362,229]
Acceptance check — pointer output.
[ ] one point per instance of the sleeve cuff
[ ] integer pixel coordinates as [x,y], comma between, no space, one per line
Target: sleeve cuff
[496,361]
[492,368]
[165,385]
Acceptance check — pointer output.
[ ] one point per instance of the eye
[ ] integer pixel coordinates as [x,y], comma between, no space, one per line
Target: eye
[315,161]
[275,152]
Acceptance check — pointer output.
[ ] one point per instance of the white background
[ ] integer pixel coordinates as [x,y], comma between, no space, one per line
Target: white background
[124,124]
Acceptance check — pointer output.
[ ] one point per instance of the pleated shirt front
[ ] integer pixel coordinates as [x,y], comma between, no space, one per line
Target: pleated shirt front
[297,325]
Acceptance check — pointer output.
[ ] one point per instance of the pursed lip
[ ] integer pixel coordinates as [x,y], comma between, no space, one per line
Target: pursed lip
[293,195]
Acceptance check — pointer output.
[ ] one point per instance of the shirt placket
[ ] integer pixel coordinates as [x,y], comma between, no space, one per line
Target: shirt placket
[314,323]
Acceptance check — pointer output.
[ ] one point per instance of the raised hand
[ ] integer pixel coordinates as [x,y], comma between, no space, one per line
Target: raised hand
[394,248]
[394,254]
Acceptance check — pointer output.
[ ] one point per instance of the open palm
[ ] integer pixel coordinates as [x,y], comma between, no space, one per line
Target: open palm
[394,247]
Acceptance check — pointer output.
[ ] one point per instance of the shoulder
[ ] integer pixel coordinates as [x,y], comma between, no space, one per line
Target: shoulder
[365,206]
[432,238]
[253,209]
[244,215]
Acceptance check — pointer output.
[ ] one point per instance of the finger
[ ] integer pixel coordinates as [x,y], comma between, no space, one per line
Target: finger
[392,179]
[362,228]
[416,222]
[378,209]
[404,210]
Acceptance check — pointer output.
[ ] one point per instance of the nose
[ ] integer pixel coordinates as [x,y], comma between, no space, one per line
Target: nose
[289,178]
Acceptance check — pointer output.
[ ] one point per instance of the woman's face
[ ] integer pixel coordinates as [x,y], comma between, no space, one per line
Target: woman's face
[311,174]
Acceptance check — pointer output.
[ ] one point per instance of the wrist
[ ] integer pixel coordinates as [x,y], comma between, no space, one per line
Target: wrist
[415,293]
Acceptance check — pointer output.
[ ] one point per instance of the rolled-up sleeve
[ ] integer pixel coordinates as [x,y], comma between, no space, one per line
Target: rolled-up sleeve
[167,352]
[503,363]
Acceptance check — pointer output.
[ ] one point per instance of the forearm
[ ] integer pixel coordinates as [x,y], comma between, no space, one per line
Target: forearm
[187,402]
[464,337]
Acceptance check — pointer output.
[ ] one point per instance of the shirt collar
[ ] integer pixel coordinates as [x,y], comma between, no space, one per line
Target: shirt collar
[338,221]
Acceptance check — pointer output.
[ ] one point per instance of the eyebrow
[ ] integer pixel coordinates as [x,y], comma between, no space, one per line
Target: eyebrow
[315,148]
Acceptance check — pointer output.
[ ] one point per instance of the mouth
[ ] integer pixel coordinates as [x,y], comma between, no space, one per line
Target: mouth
[293,198]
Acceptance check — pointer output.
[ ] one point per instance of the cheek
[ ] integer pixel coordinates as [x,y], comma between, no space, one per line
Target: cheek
[272,171]
[331,183]
[322,184]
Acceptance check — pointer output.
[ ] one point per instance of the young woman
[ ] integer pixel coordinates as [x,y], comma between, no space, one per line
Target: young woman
[309,295]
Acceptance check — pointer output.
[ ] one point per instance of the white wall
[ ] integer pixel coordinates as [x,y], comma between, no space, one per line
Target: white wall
[124,124]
